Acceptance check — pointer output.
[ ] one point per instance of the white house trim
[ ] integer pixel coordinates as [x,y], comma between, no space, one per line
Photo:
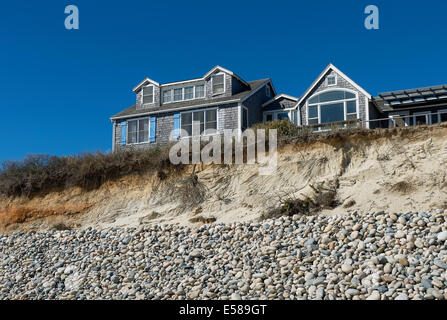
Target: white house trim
[282,95]
[325,71]
[177,109]
[345,114]
[144,82]
[231,73]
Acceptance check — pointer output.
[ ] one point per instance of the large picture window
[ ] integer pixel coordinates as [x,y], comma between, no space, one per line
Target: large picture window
[195,122]
[138,131]
[332,106]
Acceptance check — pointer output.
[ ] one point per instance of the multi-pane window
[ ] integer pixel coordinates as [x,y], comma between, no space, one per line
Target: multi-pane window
[178,94]
[148,94]
[183,93]
[200,91]
[167,96]
[138,131]
[332,106]
[331,80]
[211,119]
[218,84]
[189,93]
[195,122]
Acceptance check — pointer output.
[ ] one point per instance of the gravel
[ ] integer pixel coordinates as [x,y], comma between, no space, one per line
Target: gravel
[377,256]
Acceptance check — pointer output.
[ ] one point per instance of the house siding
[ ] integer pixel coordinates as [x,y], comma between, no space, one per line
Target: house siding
[342,83]
[139,101]
[228,86]
[227,119]
[254,105]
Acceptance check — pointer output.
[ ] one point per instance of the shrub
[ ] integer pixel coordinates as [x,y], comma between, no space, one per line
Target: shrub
[37,173]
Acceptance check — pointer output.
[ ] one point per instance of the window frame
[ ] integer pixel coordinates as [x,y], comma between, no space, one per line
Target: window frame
[212,83]
[170,95]
[194,95]
[153,94]
[331,76]
[344,101]
[138,131]
[204,120]
[195,91]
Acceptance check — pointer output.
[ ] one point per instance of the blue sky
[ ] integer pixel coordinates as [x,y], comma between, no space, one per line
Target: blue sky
[58,87]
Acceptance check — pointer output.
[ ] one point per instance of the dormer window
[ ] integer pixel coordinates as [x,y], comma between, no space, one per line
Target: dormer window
[332,80]
[148,94]
[218,84]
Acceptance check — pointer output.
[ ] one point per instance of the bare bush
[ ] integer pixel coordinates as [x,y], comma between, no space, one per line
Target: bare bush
[37,173]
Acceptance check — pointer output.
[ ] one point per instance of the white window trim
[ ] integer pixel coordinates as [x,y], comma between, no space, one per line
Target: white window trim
[204,120]
[171,94]
[138,124]
[331,76]
[332,102]
[153,94]
[224,83]
[183,93]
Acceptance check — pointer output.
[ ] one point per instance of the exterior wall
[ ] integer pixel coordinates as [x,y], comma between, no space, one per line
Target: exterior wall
[254,105]
[156,103]
[227,118]
[341,84]
[236,86]
[228,86]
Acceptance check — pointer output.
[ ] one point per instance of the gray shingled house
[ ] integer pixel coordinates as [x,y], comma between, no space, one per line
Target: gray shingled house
[219,100]
[222,100]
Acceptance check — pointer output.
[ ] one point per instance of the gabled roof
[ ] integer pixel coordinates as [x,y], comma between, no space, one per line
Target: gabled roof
[325,71]
[148,80]
[226,71]
[279,96]
[402,98]
[144,82]
[193,104]
[280,102]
